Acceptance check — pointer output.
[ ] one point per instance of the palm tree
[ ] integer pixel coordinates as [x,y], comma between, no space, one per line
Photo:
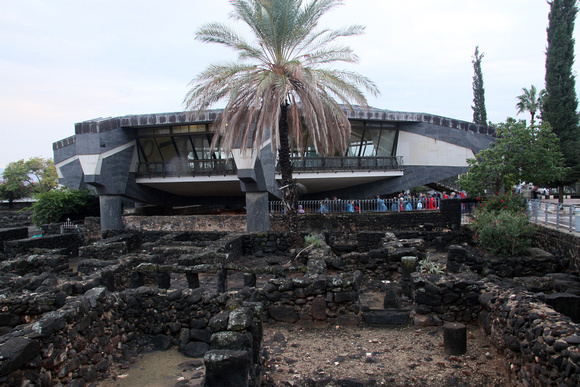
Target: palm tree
[530,101]
[279,81]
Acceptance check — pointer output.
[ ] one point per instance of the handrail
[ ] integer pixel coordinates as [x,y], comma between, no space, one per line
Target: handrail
[358,205]
[217,167]
[346,163]
[565,216]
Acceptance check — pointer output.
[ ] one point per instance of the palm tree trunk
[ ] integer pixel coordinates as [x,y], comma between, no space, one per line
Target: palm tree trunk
[288,183]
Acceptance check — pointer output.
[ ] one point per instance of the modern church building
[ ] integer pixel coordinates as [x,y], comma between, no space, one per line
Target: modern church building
[165,159]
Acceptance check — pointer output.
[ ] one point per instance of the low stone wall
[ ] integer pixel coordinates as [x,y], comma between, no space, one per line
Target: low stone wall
[69,242]
[446,298]
[10,234]
[564,242]
[371,221]
[542,347]
[76,344]
[460,258]
[186,223]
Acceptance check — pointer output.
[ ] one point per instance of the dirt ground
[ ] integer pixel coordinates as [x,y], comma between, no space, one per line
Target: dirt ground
[380,356]
[386,355]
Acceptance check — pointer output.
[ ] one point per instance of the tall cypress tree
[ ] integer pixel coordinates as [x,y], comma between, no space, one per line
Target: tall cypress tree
[560,107]
[479,113]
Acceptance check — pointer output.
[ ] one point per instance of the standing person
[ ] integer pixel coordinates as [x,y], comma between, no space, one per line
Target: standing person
[381,206]
[431,203]
[350,206]
[445,195]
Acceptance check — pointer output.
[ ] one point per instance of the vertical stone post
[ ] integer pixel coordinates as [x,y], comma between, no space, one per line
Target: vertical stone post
[257,216]
[137,279]
[222,280]
[249,280]
[192,280]
[455,339]
[408,265]
[163,280]
[111,213]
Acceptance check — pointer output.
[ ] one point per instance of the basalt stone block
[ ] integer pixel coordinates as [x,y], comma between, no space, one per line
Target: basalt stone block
[161,342]
[51,322]
[236,341]
[319,308]
[15,353]
[240,319]
[427,299]
[387,316]
[9,320]
[219,322]
[226,369]
[195,349]
[345,297]
[565,303]
[283,313]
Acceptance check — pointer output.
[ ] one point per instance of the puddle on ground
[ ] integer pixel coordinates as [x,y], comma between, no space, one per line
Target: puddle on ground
[159,369]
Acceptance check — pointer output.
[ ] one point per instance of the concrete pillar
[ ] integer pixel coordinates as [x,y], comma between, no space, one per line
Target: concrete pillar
[257,216]
[111,213]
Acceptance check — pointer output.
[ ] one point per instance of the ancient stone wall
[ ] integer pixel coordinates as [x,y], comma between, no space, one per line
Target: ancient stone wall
[76,344]
[10,234]
[542,347]
[69,242]
[459,259]
[186,223]
[564,242]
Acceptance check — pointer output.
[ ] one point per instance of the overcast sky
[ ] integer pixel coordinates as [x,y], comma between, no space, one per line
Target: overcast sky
[67,61]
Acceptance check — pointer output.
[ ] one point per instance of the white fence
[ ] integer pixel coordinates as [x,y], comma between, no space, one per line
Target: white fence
[561,216]
[359,205]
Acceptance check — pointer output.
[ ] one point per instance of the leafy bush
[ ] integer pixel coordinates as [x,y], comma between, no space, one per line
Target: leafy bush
[313,240]
[501,228]
[62,204]
[505,202]
[429,267]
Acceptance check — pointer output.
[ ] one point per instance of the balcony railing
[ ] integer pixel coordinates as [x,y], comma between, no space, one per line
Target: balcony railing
[319,163]
[228,167]
[187,168]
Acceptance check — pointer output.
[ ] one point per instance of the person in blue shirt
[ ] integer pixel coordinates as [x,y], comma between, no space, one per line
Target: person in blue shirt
[349,207]
[381,206]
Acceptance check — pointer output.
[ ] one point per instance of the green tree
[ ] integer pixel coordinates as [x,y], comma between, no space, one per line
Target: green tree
[58,205]
[519,153]
[280,80]
[529,101]
[25,178]
[561,104]
[479,112]
[14,182]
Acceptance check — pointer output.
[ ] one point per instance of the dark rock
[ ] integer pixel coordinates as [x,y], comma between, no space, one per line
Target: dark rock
[226,369]
[195,349]
[16,353]
[161,342]
[283,313]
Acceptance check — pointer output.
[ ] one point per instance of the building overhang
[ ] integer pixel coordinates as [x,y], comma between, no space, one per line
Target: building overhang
[316,182]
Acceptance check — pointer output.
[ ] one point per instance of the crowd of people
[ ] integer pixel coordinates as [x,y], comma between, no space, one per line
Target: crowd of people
[401,202]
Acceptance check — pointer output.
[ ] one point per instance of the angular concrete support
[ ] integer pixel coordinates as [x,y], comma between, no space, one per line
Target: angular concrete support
[257,216]
[111,213]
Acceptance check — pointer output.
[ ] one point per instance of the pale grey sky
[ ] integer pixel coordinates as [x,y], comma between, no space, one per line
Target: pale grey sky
[67,61]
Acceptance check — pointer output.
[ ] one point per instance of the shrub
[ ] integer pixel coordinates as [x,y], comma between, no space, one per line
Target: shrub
[505,202]
[62,204]
[502,232]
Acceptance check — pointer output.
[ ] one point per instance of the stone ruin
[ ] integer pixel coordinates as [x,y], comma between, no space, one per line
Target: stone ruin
[70,311]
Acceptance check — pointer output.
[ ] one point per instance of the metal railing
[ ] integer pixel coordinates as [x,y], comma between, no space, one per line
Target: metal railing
[187,168]
[319,163]
[561,216]
[358,205]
